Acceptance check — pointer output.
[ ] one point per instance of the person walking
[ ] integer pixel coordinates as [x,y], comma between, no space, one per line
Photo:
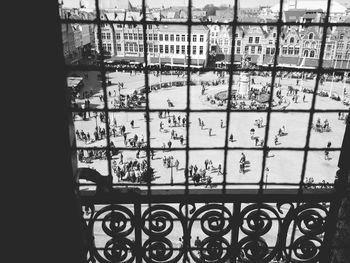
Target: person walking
[132,124]
[202,125]
[231,137]
[169,144]
[210,130]
[221,124]
[219,169]
[176,163]
[276,140]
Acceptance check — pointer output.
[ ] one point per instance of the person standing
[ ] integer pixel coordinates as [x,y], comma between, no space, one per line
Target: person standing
[177,164]
[210,130]
[132,124]
[221,124]
[169,144]
[219,169]
[202,126]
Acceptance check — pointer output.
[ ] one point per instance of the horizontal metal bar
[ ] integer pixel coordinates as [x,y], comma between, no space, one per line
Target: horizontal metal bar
[209,195]
[198,23]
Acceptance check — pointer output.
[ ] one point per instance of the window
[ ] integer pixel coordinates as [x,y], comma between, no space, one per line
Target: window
[340,45]
[225,50]
[296,51]
[135,36]
[313,44]
[177,49]
[150,48]
[268,52]
[125,36]
[183,38]
[284,50]
[149,26]
[291,40]
[117,36]
[155,48]
[130,36]
[212,34]
[212,41]
[171,49]
[226,41]
[201,38]
[172,37]
[103,35]
[238,50]
[274,34]
[166,48]
[136,48]
[119,26]
[119,47]
[177,38]
[126,47]
[166,37]
[306,53]
[259,49]
[341,36]
[306,44]
[220,41]
[257,39]
[348,46]
[104,46]
[290,50]
[270,42]
[183,49]
[246,49]
[194,50]
[328,47]
[201,48]
[161,50]
[252,50]
[155,37]
[338,55]
[250,40]
[311,36]
[109,47]
[150,36]
[238,42]
[160,37]
[131,48]
[130,26]
[140,36]
[108,35]
[194,38]
[312,53]
[141,48]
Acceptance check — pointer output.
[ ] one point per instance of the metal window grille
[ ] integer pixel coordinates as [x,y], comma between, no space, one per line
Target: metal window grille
[246,205]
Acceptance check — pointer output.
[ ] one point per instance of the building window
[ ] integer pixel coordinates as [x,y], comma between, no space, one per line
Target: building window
[131,48]
[166,49]
[177,49]
[284,50]
[117,36]
[270,42]
[312,54]
[290,50]
[257,39]
[129,26]
[212,34]
[340,45]
[274,34]
[161,50]
[119,26]
[212,41]
[341,36]
[238,43]
[194,38]
[150,36]
[126,47]
[160,37]
[171,49]
[306,44]
[246,49]
[155,37]
[338,56]
[252,50]
[150,48]
[108,35]
[166,37]
[328,47]
[109,47]
[306,53]
[125,36]
[171,37]
[149,26]
[250,40]
[141,48]
[155,48]
[201,50]
[194,50]
[135,48]
[220,41]
[183,38]
[130,36]
[311,36]
[238,50]
[183,49]
[140,36]
[259,49]
[177,38]
[268,51]
[226,41]
[291,40]
[103,35]
[348,46]
[296,51]
[119,47]
[201,38]
[313,44]
[135,36]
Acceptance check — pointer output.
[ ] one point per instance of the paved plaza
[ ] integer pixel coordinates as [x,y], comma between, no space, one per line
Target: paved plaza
[284,166]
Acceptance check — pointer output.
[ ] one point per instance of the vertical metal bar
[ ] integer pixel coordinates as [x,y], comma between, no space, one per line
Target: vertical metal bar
[138,233]
[279,25]
[319,74]
[228,109]
[235,225]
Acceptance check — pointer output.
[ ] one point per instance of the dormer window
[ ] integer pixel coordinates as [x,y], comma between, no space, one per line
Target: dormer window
[311,36]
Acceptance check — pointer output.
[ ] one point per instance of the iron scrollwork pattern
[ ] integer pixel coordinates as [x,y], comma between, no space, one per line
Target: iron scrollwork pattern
[264,233]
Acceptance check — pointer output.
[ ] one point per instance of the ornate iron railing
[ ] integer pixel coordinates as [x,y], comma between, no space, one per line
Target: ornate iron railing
[236,227]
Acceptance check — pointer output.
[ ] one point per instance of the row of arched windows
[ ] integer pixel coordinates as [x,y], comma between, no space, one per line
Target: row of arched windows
[308,53]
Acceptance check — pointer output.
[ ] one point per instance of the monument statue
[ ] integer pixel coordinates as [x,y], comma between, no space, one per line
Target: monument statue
[244,78]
